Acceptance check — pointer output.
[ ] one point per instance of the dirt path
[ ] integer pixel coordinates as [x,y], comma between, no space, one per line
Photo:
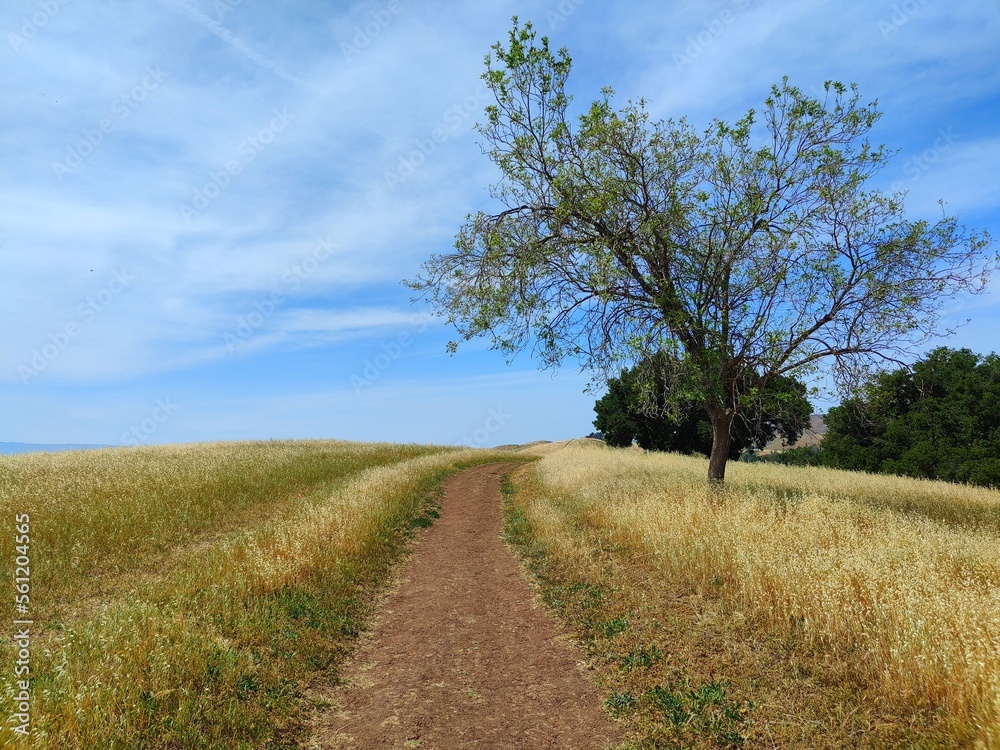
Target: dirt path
[461,657]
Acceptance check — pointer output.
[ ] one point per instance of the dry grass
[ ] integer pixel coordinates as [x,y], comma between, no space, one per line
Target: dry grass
[241,574]
[101,515]
[882,593]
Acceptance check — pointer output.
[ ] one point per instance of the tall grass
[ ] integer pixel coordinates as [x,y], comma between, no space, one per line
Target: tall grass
[96,515]
[259,574]
[899,577]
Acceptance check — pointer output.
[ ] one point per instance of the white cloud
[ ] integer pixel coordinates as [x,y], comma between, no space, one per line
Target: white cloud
[962,173]
[331,320]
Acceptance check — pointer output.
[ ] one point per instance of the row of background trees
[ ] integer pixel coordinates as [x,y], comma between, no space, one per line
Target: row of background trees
[938,419]
[637,408]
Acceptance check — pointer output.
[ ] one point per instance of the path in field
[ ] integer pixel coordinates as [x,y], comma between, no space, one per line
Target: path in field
[461,657]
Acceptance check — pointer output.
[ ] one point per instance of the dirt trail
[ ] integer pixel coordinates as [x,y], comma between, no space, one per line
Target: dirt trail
[461,657]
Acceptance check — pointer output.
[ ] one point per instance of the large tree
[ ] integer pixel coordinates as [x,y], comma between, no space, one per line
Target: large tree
[745,252]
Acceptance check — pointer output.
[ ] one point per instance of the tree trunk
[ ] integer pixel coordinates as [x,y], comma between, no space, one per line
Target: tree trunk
[722,439]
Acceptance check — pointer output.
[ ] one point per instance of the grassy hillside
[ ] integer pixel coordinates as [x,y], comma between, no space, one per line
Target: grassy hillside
[187,596]
[804,608]
[192,596]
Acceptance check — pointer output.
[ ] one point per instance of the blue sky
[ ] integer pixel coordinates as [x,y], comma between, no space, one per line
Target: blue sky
[208,205]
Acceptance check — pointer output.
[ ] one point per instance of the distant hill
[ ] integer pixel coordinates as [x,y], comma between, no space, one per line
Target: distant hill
[812,436]
[7,449]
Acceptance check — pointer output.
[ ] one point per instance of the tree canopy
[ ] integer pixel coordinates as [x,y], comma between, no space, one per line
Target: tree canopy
[625,414]
[746,251]
[939,419]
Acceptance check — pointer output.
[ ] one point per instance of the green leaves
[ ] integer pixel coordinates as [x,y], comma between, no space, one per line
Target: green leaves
[939,419]
[752,246]
[660,404]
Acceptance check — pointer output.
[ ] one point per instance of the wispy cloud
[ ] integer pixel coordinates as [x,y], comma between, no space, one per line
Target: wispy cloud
[210,147]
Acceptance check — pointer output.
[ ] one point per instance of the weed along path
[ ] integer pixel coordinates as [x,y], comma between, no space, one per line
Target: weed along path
[460,656]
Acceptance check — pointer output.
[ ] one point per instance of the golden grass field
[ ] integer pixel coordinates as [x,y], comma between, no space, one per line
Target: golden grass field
[192,596]
[801,608]
[186,596]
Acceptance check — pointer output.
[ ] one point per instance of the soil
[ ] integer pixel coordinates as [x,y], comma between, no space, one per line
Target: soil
[462,655]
